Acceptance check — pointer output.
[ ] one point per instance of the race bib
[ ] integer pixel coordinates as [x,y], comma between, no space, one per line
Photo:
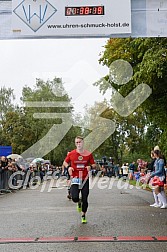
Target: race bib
[76,181]
[80,166]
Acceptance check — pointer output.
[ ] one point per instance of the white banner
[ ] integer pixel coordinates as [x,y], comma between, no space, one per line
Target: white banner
[156,21]
[71,17]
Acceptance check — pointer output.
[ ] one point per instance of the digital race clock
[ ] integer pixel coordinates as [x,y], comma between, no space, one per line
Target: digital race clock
[84,10]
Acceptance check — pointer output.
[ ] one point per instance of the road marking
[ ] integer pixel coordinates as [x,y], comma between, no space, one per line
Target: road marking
[84,239]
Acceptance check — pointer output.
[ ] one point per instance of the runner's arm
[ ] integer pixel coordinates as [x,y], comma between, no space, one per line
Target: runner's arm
[90,167]
[70,169]
[65,164]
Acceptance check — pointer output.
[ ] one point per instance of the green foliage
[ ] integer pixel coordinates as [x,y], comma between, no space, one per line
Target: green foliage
[135,135]
[148,57]
[130,157]
[17,132]
[128,137]
[21,130]
[6,101]
[52,91]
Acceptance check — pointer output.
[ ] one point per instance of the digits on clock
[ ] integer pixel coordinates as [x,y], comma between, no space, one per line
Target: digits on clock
[84,10]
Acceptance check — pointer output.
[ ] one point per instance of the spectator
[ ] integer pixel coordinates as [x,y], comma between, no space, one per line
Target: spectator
[131,169]
[3,168]
[157,148]
[103,170]
[158,179]
[151,163]
[116,170]
[110,169]
[141,165]
[125,170]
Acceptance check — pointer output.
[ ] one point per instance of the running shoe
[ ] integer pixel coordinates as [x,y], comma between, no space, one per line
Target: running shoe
[69,196]
[83,219]
[154,205]
[79,206]
[164,206]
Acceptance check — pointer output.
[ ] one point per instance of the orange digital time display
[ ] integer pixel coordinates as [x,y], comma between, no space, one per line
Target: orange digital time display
[84,10]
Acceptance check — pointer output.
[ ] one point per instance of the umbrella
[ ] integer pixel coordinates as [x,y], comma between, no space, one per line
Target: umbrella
[30,159]
[14,156]
[38,160]
[46,161]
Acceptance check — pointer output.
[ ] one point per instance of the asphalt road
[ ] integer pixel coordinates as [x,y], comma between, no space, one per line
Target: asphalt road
[41,216]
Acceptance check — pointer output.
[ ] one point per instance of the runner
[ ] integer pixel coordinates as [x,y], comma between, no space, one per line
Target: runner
[81,161]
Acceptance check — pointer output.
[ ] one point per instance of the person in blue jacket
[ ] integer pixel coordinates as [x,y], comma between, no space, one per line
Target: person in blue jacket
[159,177]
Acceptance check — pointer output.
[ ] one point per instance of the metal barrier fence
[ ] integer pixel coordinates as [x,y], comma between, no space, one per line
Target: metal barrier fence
[10,180]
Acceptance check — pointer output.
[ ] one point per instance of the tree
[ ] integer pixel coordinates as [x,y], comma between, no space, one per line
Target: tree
[6,101]
[45,94]
[6,104]
[148,57]
[129,138]
[16,131]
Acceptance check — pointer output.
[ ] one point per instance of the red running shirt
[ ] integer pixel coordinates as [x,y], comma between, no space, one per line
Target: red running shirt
[79,161]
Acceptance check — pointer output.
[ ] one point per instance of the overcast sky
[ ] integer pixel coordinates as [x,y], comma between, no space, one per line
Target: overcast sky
[73,60]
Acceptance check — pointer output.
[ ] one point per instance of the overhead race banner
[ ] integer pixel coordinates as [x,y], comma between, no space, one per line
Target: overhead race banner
[71,17]
[156,21]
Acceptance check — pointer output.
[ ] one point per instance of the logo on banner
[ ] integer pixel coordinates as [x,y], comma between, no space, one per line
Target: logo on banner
[35,13]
